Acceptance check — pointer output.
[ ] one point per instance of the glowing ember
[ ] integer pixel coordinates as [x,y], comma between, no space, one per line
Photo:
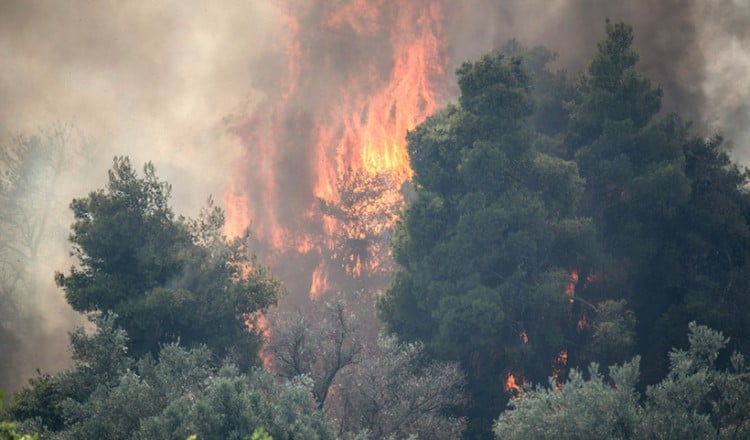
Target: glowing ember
[583,323]
[593,278]
[570,288]
[558,367]
[511,386]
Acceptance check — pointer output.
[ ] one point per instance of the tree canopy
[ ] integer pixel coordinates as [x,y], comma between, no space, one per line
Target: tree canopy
[167,279]
[487,245]
[560,220]
[671,209]
[174,394]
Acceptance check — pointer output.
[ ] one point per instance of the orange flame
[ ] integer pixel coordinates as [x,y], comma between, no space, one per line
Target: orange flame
[562,358]
[570,287]
[363,161]
[558,367]
[237,215]
[583,323]
[319,283]
[374,124]
[258,323]
[511,386]
[352,139]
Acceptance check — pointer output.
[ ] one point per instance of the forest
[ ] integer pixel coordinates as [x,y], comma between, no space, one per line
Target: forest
[572,263]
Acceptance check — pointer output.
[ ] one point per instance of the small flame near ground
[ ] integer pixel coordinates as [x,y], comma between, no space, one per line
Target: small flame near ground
[559,364]
[258,323]
[512,386]
[583,322]
[570,287]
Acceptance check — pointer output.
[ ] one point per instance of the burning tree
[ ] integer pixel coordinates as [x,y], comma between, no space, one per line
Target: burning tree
[367,213]
[325,159]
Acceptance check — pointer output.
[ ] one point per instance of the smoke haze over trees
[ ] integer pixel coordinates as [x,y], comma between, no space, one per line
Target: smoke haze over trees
[171,84]
[32,171]
[575,203]
[161,83]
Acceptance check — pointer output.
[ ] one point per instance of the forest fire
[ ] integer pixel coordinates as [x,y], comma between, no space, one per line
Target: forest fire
[258,323]
[512,386]
[319,283]
[570,287]
[583,323]
[325,156]
[559,364]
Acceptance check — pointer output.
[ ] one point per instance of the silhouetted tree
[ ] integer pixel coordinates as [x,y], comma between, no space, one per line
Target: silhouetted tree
[167,279]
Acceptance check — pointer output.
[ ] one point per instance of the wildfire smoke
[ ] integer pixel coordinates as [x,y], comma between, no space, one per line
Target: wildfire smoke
[269,103]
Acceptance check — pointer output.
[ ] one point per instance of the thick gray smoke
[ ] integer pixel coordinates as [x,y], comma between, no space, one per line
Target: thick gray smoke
[178,83]
[697,50]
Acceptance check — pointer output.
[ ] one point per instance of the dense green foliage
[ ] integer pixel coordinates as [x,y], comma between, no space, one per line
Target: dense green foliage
[671,211]
[488,242]
[8,429]
[8,432]
[696,400]
[109,394]
[167,279]
[561,221]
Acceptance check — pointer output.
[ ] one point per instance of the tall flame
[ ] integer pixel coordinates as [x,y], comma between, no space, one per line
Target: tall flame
[325,154]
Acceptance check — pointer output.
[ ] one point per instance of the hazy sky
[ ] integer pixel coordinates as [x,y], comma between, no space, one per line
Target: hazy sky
[152,80]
